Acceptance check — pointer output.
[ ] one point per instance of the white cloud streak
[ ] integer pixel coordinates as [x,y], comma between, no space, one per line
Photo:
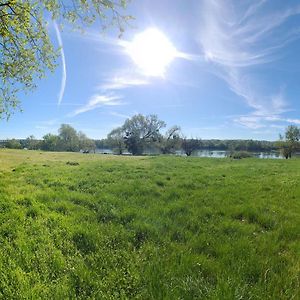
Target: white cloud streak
[97,101]
[106,96]
[98,38]
[122,81]
[122,116]
[235,38]
[64,69]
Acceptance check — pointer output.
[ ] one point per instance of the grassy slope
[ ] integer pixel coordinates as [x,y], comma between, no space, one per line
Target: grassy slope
[148,227]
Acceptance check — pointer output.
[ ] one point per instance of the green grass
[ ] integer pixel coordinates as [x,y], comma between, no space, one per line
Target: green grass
[76,226]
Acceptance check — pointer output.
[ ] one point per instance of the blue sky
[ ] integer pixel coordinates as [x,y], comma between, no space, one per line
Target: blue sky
[235,73]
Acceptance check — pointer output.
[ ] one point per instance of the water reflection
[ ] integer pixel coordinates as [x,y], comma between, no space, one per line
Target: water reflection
[207,153]
[223,154]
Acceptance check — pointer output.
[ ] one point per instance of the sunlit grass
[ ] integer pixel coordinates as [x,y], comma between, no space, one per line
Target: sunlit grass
[107,227]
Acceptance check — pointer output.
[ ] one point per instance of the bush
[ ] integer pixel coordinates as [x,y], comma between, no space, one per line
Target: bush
[239,154]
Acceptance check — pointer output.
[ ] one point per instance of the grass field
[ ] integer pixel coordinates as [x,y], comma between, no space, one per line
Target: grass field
[76,226]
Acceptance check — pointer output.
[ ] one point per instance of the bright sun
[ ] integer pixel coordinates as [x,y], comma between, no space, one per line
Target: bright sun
[152,52]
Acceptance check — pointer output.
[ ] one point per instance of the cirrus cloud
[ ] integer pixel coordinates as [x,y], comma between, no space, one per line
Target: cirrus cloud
[97,101]
[237,39]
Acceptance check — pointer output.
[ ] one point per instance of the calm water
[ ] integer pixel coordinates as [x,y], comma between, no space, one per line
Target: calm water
[210,153]
[222,154]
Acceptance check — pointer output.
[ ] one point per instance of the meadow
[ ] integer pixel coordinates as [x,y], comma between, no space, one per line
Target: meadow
[76,226]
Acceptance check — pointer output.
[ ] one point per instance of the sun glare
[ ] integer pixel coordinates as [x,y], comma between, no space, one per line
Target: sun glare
[152,52]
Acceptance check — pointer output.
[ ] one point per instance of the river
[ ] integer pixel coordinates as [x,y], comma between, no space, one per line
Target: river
[210,153]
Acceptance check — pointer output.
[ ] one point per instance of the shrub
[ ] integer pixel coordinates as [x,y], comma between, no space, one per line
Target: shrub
[239,154]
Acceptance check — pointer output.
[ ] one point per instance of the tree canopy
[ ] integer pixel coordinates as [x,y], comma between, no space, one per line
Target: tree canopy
[170,141]
[190,145]
[26,51]
[140,130]
[116,140]
[68,139]
[289,143]
[136,133]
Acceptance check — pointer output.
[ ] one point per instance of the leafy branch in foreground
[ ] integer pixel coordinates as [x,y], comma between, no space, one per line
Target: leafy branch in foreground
[26,51]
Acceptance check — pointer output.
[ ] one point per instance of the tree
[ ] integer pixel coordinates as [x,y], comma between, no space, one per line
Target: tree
[32,143]
[85,144]
[170,141]
[116,140]
[189,145]
[50,142]
[292,135]
[13,144]
[26,51]
[141,130]
[289,143]
[69,138]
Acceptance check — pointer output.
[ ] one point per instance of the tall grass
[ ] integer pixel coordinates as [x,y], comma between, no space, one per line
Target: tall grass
[78,226]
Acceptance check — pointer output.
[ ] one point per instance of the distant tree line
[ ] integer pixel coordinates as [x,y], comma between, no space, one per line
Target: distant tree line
[238,145]
[140,134]
[30,143]
[68,139]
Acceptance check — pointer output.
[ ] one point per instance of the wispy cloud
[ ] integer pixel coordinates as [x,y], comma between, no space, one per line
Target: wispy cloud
[50,125]
[294,121]
[237,37]
[64,69]
[251,10]
[116,114]
[254,121]
[97,37]
[97,101]
[106,91]
[121,80]
[62,104]
[233,37]
[50,122]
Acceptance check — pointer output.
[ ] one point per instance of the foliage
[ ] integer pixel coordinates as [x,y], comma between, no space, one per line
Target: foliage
[68,139]
[140,131]
[13,144]
[50,142]
[170,141]
[238,145]
[292,134]
[25,46]
[84,143]
[189,145]
[116,141]
[148,227]
[214,144]
[32,143]
[289,143]
[239,154]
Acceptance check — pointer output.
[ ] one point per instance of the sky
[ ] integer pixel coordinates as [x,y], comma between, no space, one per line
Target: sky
[220,69]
